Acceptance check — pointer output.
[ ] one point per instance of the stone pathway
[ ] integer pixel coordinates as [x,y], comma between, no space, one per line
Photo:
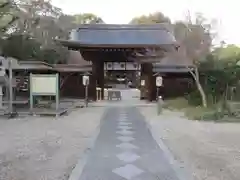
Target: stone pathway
[126,150]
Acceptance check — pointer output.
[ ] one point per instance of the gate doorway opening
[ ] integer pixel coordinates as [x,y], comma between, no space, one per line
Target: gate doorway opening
[122,75]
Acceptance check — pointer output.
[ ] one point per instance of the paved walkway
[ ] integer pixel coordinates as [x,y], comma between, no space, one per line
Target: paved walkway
[125,149]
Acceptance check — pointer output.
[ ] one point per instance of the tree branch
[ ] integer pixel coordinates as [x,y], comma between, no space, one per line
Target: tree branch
[4,28]
[193,74]
[65,78]
[5,4]
[189,69]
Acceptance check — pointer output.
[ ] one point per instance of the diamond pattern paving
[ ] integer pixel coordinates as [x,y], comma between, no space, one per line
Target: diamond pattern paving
[123,120]
[125,132]
[125,138]
[128,157]
[124,127]
[126,150]
[124,123]
[128,172]
[124,116]
[126,146]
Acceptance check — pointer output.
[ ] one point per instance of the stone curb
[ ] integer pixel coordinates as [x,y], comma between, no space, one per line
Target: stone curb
[77,171]
[180,173]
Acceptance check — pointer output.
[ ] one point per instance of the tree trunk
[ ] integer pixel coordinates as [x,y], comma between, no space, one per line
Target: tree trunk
[199,86]
[202,93]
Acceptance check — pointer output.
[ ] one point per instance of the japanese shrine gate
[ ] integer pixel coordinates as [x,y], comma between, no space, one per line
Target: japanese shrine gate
[143,44]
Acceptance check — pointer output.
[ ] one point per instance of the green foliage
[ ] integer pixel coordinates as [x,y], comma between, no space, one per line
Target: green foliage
[194,36]
[218,73]
[25,48]
[8,14]
[220,81]
[177,103]
[194,112]
[194,98]
[156,17]
[216,84]
[36,26]
[52,56]
[21,47]
[228,53]
[86,18]
[214,115]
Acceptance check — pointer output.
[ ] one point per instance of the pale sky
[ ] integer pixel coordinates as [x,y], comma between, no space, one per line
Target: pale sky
[227,12]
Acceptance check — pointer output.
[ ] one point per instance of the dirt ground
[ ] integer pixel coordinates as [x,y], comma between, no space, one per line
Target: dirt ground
[207,150]
[45,148]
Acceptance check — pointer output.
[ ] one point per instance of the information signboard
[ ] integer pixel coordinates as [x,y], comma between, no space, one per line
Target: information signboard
[85,80]
[159,81]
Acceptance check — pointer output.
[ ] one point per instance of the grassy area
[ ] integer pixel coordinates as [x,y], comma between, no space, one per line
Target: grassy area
[192,112]
[212,113]
[176,104]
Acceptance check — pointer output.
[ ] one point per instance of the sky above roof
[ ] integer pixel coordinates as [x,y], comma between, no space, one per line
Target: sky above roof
[121,12]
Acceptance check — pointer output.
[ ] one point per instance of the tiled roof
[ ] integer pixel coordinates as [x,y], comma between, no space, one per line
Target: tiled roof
[120,35]
[72,68]
[32,65]
[76,58]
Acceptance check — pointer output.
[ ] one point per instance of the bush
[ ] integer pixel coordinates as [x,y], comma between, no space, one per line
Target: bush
[214,115]
[194,98]
[177,103]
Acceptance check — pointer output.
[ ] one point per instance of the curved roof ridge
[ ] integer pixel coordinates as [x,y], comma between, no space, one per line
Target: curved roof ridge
[163,26]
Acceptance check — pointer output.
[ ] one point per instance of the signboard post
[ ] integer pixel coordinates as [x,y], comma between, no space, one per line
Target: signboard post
[159,81]
[10,87]
[86,83]
[142,82]
[2,74]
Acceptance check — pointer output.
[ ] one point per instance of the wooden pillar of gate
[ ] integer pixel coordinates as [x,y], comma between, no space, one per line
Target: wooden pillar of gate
[98,77]
[93,80]
[147,91]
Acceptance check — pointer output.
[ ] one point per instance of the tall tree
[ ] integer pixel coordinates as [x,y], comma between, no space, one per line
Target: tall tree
[39,19]
[228,52]
[41,22]
[195,37]
[7,14]
[153,18]
[87,18]
[21,47]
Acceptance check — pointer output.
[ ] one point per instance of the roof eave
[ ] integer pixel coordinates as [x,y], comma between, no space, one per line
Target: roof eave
[76,45]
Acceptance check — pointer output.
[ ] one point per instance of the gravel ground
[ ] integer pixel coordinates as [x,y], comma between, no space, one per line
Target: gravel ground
[36,148]
[209,151]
